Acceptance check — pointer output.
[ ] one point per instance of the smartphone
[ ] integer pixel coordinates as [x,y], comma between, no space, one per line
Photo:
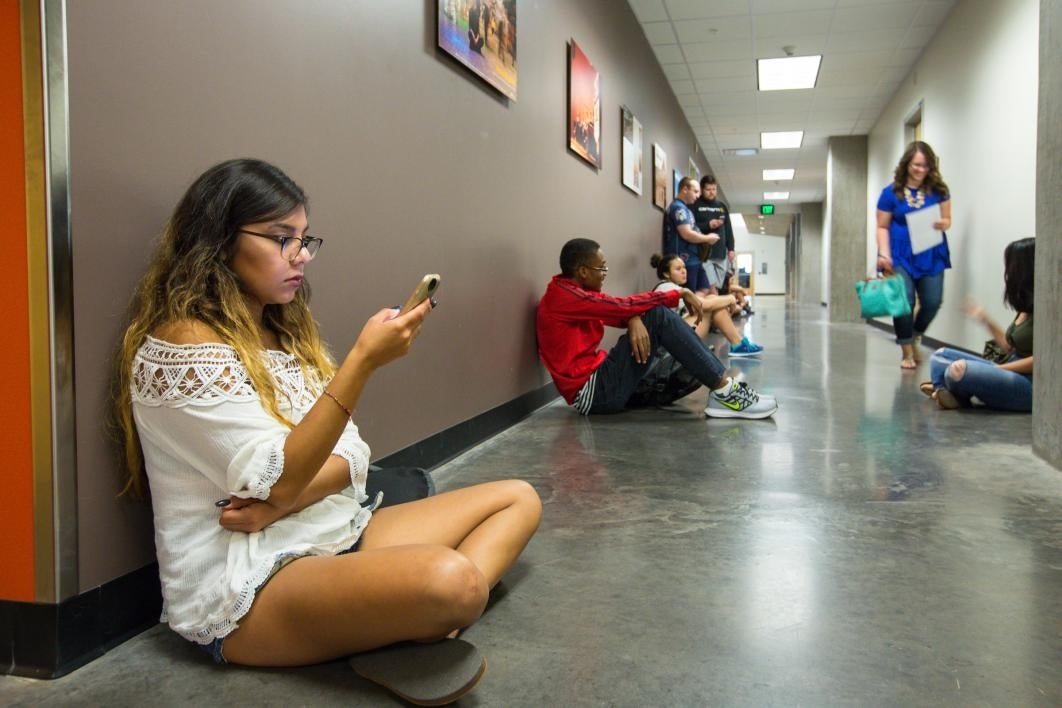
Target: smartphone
[425,289]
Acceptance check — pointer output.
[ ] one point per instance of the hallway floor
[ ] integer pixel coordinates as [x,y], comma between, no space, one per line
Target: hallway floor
[861,548]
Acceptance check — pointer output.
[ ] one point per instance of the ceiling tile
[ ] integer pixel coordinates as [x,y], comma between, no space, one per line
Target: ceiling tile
[714,51]
[690,100]
[891,15]
[659,32]
[716,87]
[682,87]
[674,72]
[918,36]
[668,54]
[648,10]
[723,69]
[773,122]
[792,24]
[697,122]
[864,41]
[784,101]
[729,142]
[933,13]
[758,7]
[713,30]
[700,9]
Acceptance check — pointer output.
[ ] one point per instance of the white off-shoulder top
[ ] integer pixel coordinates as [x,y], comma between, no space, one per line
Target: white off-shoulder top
[205,435]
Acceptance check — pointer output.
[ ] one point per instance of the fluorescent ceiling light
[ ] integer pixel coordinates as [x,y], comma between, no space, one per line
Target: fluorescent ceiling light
[775,195]
[783,139]
[737,221]
[788,72]
[771,175]
[741,152]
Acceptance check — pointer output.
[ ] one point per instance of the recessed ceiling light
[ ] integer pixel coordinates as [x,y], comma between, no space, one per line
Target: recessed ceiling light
[742,152]
[737,221]
[770,175]
[776,195]
[783,139]
[787,73]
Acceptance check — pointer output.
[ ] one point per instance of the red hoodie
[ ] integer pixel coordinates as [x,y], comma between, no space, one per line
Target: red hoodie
[571,322]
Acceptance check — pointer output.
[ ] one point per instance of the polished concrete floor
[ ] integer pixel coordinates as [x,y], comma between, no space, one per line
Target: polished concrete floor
[861,549]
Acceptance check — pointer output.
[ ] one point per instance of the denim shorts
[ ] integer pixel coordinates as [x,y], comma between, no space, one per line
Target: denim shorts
[214,648]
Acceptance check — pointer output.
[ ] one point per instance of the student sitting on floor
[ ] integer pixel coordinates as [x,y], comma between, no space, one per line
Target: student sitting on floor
[742,300]
[226,392]
[672,271]
[571,320]
[1004,383]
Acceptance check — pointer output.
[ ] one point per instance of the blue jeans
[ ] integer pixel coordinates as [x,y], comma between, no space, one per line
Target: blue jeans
[619,374]
[930,290]
[995,387]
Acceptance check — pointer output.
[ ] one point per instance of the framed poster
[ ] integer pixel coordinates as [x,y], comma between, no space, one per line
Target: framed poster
[481,34]
[584,107]
[695,171]
[659,177]
[675,180]
[632,150]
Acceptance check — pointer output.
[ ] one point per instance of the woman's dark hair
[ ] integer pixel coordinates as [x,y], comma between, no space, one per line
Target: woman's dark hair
[1019,261]
[575,253]
[933,182]
[662,264]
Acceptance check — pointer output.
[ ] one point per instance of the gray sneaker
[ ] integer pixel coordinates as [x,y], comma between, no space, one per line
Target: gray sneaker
[741,402]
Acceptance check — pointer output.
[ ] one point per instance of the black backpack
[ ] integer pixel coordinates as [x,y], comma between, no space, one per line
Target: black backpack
[666,382]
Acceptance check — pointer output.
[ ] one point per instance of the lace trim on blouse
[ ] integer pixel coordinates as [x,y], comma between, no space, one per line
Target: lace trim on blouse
[176,375]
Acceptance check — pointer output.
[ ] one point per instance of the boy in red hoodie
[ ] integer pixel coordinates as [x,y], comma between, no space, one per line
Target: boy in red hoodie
[571,323]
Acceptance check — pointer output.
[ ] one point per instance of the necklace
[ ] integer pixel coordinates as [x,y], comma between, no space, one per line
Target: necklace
[916,200]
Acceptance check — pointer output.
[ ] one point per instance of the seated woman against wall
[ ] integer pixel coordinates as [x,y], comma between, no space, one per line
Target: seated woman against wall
[742,302]
[671,270]
[1004,383]
[226,391]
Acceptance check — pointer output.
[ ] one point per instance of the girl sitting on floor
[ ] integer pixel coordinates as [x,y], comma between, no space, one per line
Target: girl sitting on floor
[672,272]
[957,378]
[226,391]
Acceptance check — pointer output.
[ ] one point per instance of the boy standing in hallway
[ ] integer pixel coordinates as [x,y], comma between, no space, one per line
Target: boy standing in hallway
[712,217]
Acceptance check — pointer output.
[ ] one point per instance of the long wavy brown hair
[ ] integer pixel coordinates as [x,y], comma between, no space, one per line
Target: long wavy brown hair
[933,182]
[189,279]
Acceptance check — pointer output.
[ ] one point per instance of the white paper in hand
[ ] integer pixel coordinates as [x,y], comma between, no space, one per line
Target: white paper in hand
[920,228]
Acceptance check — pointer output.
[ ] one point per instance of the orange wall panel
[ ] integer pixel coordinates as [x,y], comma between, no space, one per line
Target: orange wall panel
[16,487]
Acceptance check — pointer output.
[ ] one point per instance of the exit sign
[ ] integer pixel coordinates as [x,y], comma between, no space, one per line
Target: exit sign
[766,209]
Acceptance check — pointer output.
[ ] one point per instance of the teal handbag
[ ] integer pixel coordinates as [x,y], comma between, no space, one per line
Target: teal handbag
[880,297]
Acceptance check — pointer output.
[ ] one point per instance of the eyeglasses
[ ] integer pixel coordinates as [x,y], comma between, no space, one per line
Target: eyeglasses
[601,269]
[291,246]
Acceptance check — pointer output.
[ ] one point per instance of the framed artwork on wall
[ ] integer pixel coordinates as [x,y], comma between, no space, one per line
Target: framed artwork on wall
[659,177]
[632,151]
[675,179]
[584,107]
[481,34]
[695,171]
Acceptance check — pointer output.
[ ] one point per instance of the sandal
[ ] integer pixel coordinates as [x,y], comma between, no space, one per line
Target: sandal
[906,363]
[423,674]
[946,399]
[927,388]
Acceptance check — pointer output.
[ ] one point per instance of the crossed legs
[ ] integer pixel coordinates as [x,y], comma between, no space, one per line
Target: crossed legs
[422,570]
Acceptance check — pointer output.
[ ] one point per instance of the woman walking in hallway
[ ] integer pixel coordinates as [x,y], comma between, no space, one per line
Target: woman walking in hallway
[916,185]
[1004,383]
[226,392]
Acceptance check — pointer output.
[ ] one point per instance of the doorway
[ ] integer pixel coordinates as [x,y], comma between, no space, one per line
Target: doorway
[746,272]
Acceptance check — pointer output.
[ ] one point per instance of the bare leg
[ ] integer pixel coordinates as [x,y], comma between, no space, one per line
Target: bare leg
[721,319]
[908,360]
[423,569]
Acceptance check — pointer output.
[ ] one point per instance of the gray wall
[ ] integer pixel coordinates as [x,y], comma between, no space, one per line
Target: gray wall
[809,254]
[847,196]
[413,165]
[1047,384]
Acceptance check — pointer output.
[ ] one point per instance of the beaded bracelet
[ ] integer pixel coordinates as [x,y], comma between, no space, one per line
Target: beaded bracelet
[338,403]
